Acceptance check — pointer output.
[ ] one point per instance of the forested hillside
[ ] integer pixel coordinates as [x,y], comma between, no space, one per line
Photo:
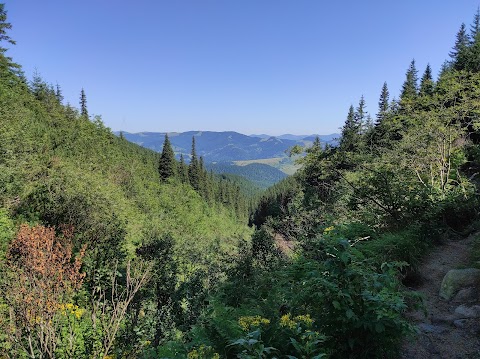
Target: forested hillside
[87,219]
[110,250]
[323,276]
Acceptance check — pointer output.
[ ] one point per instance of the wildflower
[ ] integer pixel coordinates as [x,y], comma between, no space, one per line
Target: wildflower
[252,321]
[306,319]
[286,321]
[328,229]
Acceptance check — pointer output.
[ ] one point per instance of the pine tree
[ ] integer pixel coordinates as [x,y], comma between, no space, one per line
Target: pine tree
[4,26]
[383,104]
[167,163]
[410,86]
[473,51]
[39,87]
[426,84]
[459,53]
[193,168]
[475,27]
[183,170]
[361,115]
[5,61]
[83,104]
[58,94]
[350,132]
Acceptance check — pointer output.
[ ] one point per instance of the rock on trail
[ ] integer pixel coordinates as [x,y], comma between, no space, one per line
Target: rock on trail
[451,329]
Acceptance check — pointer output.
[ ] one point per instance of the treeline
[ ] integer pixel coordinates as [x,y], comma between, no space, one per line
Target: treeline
[209,186]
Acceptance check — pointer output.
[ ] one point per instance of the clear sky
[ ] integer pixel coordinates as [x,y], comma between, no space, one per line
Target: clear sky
[252,66]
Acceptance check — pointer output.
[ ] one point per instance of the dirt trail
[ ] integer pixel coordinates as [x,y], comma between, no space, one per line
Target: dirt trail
[442,334]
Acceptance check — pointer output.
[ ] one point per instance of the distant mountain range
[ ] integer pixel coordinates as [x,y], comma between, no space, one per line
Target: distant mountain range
[226,146]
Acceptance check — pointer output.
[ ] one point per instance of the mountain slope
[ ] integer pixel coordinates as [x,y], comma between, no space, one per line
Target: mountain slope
[222,146]
[261,175]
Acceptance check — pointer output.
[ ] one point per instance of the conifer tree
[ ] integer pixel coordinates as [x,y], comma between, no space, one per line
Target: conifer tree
[83,104]
[167,163]
[410,86]
[426,84]
[5,61]
[193,168]
[383,104]
[350,132]
[459,53]
[59,94]
[4,26]
[475,27]
[473,53]
[361,115]
[183,170]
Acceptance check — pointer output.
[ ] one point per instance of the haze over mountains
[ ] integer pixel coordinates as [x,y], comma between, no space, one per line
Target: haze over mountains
[226,146]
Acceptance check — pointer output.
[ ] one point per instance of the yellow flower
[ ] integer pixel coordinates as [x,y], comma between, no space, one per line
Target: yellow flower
[203,352]
[306,319]
[286,321]
[328,229]
[252,321]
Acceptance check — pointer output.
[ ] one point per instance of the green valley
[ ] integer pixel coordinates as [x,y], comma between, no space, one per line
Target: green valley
[205,246]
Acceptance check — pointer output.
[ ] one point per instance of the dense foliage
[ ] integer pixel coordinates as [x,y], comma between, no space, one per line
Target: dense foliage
[87,219]
[109,250]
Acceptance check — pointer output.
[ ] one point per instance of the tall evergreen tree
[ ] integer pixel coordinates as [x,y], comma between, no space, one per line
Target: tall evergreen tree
[167,163]
[473,53]
[459,53]
[4,26]
[350,132]
[5,61]
[426,84]
[410,86]
[83,104]
[383,104]
[59,94]
[194,168]
[361,115]
[183,170]
[475,27]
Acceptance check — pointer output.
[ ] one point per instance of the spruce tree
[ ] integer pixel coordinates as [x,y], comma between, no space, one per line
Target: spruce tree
[183,170]
[426,84]
[473,53]
[361,115]
[459,53]
[83,104]
[167,163]
[383,104]
[193,168]
[350,132]
[475,27]
[410,86]
[5,61]
[58,94]
[4,26]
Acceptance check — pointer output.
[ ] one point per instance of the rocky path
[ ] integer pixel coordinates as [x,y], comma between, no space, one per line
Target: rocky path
[451,328]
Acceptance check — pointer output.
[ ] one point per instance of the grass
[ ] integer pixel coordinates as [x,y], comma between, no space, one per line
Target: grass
[285,164]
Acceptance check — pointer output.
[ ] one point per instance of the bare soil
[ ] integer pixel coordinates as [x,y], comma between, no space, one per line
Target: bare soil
[441,334]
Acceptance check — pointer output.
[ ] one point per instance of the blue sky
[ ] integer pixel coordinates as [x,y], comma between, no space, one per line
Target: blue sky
[252,66]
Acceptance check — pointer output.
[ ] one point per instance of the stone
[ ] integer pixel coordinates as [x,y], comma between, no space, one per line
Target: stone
[457,279]
[460,323]
[463,311]
[449,319]
[429,328]
[466,295]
